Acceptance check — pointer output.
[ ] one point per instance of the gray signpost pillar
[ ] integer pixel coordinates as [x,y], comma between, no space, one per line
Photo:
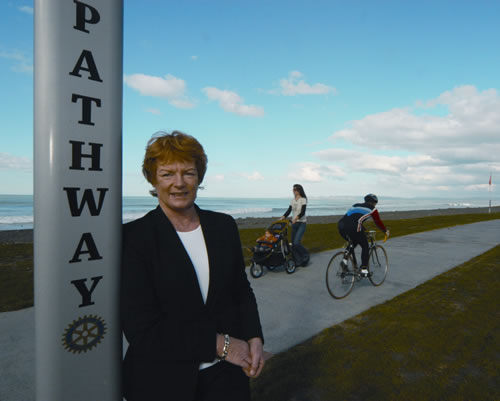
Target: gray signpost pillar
[77,202]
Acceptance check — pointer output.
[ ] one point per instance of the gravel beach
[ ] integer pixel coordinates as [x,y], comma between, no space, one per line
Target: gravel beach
[26,236]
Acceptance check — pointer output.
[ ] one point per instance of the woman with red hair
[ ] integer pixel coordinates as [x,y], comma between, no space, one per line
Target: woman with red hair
[188,311]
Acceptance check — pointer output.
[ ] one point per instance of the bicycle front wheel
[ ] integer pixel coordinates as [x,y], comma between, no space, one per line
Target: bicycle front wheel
[340,279]
[379,264]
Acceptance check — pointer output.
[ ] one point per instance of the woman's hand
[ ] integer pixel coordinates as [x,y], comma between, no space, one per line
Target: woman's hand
[238,353]
[248,355]
[257,355]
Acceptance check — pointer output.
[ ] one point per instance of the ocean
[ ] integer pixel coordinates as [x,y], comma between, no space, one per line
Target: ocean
[16,211]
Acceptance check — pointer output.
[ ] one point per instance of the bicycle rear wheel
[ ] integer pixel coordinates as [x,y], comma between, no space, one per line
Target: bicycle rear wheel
[379,264]
[339,279]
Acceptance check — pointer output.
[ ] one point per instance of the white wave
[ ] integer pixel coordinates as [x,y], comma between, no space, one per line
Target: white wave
[16,219]
[460,204]
[129,216]
[247,210]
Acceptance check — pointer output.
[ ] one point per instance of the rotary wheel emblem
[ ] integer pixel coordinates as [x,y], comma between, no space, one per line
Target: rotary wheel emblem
[84,334]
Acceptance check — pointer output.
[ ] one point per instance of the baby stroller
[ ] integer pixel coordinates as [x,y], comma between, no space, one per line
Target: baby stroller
[272,250]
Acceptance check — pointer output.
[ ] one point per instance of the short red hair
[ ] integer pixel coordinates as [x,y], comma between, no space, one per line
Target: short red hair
[175,147]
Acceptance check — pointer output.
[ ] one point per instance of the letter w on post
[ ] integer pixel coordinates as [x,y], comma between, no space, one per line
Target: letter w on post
[87,198]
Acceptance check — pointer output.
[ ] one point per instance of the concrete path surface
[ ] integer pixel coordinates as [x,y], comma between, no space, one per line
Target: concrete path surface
[293,307]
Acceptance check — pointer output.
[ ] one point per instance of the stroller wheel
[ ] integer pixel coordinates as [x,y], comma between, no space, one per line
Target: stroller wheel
[290,266]
[256,270]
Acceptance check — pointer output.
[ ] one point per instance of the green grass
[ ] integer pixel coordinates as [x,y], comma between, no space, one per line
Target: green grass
[16,276]
[439,341]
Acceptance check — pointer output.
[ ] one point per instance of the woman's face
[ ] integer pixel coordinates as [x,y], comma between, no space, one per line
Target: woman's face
[177,185]
[295,191]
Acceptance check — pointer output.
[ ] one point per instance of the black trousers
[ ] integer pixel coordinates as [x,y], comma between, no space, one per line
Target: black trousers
[350,232]
[222,382]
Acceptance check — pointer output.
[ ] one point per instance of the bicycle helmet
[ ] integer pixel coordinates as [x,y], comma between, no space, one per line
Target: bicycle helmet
[371,198]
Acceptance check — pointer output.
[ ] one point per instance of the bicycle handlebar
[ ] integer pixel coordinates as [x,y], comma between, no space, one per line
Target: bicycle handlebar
[372,234]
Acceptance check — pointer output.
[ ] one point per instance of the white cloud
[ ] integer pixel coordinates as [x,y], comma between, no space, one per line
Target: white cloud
[232,102]
[255,176]
[415,170]
[10,162]
[479,187]
[314,172]
[293,85]
[219,177]
[154,111]
[404,149]
[171,88]
[23,63]
[473,119]
[26,9]
[363,161]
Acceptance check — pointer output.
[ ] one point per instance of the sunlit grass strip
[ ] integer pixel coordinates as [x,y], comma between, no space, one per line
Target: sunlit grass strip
[16,276]
[439,341]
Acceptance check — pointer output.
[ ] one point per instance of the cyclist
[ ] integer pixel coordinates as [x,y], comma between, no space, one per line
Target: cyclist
[351,227]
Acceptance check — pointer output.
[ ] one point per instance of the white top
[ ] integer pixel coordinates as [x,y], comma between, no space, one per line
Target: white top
[296,205]
[195,246]
[194,243]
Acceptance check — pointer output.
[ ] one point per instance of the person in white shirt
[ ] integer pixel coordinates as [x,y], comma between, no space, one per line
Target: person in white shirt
[298,209]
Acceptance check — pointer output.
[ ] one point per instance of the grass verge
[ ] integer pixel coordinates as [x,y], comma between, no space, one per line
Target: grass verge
[439,341]
[16,276]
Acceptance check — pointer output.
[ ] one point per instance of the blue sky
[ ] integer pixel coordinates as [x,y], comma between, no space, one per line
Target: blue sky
[399,98]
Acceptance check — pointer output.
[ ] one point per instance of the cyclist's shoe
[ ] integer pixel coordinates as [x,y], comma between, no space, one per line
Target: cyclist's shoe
[363,272]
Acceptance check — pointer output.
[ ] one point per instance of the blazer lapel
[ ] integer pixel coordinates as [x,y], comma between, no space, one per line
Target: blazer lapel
[175,261]
[211,241]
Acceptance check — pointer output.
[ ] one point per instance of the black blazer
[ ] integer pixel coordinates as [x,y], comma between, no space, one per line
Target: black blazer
[168,326]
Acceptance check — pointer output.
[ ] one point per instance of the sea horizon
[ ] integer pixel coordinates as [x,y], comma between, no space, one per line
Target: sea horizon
[16,211]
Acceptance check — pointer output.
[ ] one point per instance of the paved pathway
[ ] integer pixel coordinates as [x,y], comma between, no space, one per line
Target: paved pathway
[292,307]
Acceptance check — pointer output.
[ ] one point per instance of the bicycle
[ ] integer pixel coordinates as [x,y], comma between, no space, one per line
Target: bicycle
[343,270]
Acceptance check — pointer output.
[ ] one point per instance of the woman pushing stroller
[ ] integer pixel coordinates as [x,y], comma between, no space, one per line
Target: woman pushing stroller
[298,209]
